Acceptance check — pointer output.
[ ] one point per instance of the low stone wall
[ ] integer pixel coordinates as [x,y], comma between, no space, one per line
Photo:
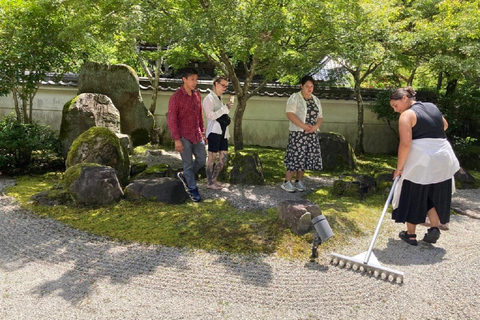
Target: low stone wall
[264,121]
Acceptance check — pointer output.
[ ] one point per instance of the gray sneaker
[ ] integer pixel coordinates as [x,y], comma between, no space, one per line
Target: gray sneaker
[299,186]
[288,186]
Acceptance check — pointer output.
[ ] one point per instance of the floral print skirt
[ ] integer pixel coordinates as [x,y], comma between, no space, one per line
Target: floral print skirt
[303,152]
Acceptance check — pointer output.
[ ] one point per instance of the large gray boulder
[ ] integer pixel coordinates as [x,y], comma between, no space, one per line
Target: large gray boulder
[85,111]
[298,215]
[100,145]
[336,151]
[168,190]
[120,83]
[92,184]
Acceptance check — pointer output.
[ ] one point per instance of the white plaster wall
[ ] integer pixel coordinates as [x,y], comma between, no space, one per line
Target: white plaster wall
[264,121]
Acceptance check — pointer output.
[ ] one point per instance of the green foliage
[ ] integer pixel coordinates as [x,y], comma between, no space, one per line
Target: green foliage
[23,146]
[381,107]
[432,43]
[32,44]
[461,110]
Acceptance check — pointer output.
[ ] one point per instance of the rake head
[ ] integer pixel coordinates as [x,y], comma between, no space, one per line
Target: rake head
[372,267]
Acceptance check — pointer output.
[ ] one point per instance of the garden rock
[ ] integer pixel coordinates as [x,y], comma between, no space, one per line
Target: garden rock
[168,190]
[246,169]
[120,83]
[336,151]
[137,167]
[354,186]
[93,185]
[384,181]
[85,111]
[53,197]
[298,215]
[100,145]
[464,180]
[126,141]
[157,171]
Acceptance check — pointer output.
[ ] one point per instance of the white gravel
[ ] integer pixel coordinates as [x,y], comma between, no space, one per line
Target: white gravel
[50,271]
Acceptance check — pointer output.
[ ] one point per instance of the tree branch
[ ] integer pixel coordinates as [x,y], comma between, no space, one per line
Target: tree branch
[371,68]
[257,89]
[145,68]
[231,73]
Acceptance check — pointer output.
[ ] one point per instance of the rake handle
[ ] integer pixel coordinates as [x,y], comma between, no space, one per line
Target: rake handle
[390,196]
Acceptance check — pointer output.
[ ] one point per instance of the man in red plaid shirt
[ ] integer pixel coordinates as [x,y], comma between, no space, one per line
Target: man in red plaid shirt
[185,120]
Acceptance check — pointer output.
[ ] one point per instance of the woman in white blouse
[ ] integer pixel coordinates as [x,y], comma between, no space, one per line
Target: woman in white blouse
[217,130]
[304,111]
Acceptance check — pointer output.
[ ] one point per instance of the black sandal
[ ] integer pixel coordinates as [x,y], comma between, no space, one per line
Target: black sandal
[432,235]
[406,237]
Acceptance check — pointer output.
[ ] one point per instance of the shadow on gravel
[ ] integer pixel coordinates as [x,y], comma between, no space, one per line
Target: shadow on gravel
[25,238]
[254,272]
[315,266]
[400,253]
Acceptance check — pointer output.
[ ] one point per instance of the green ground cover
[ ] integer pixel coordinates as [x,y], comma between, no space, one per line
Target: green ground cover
[214,224]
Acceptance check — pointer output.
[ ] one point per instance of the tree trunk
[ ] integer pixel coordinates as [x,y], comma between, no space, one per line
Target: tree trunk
[237,122]
[451,87]
[412,76]
[17,107]
[439,80]
[30,107]
[24,108]
[156,80]
[360,108]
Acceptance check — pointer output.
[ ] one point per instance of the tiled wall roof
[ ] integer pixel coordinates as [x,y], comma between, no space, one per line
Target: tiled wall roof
[270,90]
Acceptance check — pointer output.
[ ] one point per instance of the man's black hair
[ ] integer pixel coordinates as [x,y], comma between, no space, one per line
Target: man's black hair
[186,72]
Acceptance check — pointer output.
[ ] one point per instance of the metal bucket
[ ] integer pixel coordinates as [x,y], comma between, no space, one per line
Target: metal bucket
[322,227]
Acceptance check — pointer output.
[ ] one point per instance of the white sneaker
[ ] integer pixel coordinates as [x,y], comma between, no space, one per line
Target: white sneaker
[299,186]
[288,186]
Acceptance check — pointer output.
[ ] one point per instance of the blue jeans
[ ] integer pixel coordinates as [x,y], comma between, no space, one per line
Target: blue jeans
[190,166]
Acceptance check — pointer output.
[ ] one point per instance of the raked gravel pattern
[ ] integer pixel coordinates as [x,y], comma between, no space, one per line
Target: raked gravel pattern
[51,271]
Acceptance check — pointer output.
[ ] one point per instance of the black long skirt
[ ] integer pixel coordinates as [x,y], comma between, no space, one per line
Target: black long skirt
[416,199]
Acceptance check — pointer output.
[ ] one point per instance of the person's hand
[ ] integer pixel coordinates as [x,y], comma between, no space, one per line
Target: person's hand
[230,105]
[205,140]
[307,127]
[178,145]
[397,173]
[312,129]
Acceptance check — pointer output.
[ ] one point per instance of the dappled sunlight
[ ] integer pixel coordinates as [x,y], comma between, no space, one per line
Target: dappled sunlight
[247,225]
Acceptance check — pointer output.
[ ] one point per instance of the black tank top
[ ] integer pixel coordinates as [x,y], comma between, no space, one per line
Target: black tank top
[429,121]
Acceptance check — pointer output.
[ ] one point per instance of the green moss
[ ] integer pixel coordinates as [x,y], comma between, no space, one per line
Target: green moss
[137,167]
[156,171]
[72,173]
[89,136]
[157,168]
[338,187]
[90,140]
[214,224]
[210,225]
[65,126]
[140,150]
[67,106]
